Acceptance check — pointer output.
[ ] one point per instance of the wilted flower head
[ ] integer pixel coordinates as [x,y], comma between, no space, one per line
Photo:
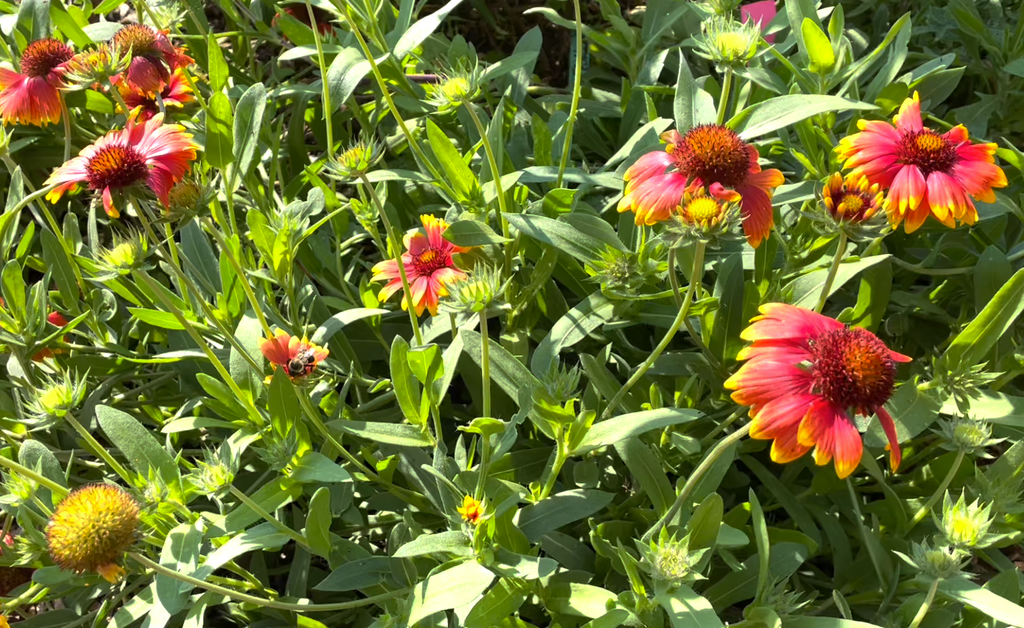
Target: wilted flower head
[153,57]
[728,42]
[96,66]
[670,560]
[967,435]
[55,398]
[471,510]
[480,291]
[943,561]
[32,97]
[457,87]
[91,528]
[356,160]
[965,525]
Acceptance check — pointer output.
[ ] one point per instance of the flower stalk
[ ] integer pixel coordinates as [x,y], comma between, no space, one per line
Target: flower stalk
[826,289]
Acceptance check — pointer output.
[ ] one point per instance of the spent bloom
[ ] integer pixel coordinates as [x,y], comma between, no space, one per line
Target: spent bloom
[176,93]
[925,173]
[805,377]
[150,153]
[32,96]
[297,356]
[153,57]
[91,528]
[708,155]
[471,510]
[965,525]
[429,267]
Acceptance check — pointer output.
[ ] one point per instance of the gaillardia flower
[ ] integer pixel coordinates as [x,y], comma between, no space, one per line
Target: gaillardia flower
[924,172]
[852,199]
[92,527]
[428,267]
[805,377]
[31,97]
[151,153]
[176,93]
[471,510]
[153,57]
[711,156]
[297,356]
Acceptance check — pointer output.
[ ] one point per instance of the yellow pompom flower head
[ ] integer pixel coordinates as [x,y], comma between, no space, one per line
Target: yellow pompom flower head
[92,528]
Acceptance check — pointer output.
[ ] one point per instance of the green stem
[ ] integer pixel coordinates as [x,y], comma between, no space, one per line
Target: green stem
[263,602]
[723,102]
[98,449]
[561,455]
[832,270]
[929,598]
[691,482]
[249,294]
[496,176]
[695,278]
[673,278]
[485,461]
[864,532]
[396,243]
[32,475]
[323,82]
[927,508]
[117,96]
[576,88]
[485,363]
[256,508]
[66,119]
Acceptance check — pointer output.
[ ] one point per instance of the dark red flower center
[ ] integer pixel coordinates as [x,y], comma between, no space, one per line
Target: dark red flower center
[116,166]
[41,57]
[927,150]
[137,39]
[713,154]
[852,368]
[430,261]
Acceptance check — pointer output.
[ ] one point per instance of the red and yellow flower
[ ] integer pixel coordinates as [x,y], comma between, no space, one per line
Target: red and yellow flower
[711,156]
[176,93]
[471,510]
[429,267]
[153,57]
[32,96]
[806,376]
[926,173]
[852,199]
[151,153]
[297,356]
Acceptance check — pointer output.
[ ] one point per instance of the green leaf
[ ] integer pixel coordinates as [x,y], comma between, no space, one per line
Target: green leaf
[407,391]
[691,105]
[386,433]
[180,553]
[728,320]
[261,537]
[339,321]
[818,48]
[58,263]
[995,606]
[218,70]
[805,290]
[646,467]
[977,339]
[558,510]
[318,523]
[273,495]
[220,119]
[581,600]
[142,451]
[423,28]
[248,121]
[450,588]
[452,542]
[36,456]
[780,112]
[344,74]
[461,178]
[469,232]
[316,467]
[559,234]
[686,609]
[742,585]
[588,315]
[248,334]
[67,25]
[624,426]
[912,412]
[359,574]
[793,621]
[13,286]
[501,601]
[763,549]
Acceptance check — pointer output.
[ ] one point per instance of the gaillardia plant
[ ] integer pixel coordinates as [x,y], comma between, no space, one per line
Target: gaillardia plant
[91,530]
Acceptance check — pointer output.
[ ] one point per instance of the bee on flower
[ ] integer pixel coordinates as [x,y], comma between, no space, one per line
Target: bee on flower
[32,96]
[92,528]
[925,173]
[147,154]
[297,356]
[805,378]
[709,156]
[429,267]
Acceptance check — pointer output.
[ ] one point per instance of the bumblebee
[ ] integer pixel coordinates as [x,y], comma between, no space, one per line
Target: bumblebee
[302,364]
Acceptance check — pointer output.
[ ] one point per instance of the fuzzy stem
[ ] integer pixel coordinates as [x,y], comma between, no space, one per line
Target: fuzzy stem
[576,88]
[723,101]
[561,455]
[256,508]
[673,278]
[66,119]
[485,363]
[832,271]
[929,598]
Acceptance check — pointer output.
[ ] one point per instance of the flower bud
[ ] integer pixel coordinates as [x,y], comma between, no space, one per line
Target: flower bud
[92,528]
[125,256]
[458,87]
[944,561]
[965,525]
[356,160]
[483,290]
[967,435]
[89,67]
[57,397]
[670,560]
[728,42]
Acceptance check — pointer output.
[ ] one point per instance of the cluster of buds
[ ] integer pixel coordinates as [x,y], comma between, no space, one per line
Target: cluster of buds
[623,273]
[560,382]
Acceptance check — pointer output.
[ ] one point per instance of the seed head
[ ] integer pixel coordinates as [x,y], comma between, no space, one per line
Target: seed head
[92,527]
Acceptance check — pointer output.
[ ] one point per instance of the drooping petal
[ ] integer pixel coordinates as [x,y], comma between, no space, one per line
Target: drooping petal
[889,427]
